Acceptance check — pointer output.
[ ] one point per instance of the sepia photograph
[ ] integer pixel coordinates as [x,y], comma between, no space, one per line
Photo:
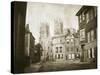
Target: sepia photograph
[49,37]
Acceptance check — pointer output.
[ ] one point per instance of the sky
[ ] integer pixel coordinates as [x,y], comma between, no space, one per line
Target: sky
[38,13]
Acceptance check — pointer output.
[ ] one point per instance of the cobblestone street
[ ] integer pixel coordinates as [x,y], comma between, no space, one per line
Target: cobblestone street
[33,68]
[58,66]
[53,66]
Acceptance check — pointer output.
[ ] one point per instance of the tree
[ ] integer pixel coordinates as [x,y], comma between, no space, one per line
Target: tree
[38,51]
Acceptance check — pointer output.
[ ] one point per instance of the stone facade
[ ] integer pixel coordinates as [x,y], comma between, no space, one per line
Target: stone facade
[87,16]
[65,47]
[72,47]
[58,48]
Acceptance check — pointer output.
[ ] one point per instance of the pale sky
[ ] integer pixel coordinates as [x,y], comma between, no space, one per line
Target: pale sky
[38,13]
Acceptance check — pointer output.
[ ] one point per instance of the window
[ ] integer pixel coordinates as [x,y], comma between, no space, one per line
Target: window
[92,35]
[82,34]
[93,53]
[69,56]
[91,14]
[83,17]
[71,40]
[56,49]
[95,33]
[68,39]
[62,56]
[88,37]
[87,17]
[58,56]
[73,56]
[80,18]
[55,56]
[67,42]
[60,49]
[89,53]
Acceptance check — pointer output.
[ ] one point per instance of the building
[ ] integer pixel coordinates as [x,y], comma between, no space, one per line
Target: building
[58,47]
[18,16]
[65,43]
[29,45]
[58,27]
[44,41]
[72,45]
[77,46]
[66,47]
[87,18]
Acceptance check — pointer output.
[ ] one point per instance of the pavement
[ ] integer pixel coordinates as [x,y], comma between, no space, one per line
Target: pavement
[58,66]
[33,68]
[53,66]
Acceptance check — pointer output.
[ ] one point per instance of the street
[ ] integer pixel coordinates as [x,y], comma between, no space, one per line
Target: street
[59,66]
[65,66]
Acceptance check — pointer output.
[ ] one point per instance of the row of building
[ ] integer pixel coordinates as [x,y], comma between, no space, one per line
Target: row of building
[60,47]
[32,50]
[24,51]
[64,45]
[69,44]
